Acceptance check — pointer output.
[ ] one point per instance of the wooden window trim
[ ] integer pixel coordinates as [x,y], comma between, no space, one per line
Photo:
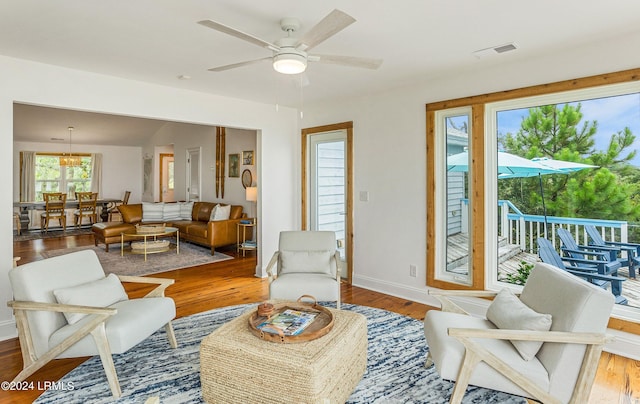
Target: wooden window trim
[478,102]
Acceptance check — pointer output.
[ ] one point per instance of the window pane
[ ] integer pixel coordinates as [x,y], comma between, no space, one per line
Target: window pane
[78,178]
[592,145]
[457,205]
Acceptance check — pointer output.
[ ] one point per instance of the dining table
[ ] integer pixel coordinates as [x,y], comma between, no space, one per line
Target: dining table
[25,206]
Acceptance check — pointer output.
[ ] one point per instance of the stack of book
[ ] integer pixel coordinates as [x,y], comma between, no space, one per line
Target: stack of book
[290,322]
[249,244]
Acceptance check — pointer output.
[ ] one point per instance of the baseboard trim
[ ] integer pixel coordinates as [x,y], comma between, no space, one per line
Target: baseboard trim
[8,330]
[626,344]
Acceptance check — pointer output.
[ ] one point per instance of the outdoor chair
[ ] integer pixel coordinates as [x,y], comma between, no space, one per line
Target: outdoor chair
[544,344]
[86,208]
[549,255]
[632,250]
[65,307]
[307,263]
[572,249]
[54,209]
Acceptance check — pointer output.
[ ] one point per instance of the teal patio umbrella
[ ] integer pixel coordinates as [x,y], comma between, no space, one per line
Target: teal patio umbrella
[558,167]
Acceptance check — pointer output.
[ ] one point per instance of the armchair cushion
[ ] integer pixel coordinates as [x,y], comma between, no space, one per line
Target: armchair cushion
[136,320]
[290,287]
[448,353]
[508,312]
[305,262]
[99,293]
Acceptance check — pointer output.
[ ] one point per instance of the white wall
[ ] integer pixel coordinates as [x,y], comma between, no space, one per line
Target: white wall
[46,85]
[390,154]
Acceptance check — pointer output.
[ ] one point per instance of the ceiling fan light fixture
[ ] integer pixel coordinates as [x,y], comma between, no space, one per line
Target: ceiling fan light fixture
[290,63]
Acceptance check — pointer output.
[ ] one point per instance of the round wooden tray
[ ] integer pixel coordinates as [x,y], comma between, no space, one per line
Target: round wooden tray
[321,325]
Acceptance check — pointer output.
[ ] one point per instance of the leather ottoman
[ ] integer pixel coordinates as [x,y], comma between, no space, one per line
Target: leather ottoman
[109,232]
[238,367]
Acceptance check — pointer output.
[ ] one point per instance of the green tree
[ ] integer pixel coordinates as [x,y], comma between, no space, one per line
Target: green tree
[559,132]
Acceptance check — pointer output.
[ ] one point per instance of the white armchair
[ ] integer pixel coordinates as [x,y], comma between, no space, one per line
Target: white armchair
[306,263]
[544,345]
[66,307]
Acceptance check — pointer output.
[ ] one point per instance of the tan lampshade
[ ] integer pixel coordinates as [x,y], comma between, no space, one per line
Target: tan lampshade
[251,194]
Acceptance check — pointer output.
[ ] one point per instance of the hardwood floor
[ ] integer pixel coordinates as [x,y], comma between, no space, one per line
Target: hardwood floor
[232,282]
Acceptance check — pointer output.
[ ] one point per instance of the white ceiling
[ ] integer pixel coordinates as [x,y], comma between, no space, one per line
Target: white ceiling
[159,40]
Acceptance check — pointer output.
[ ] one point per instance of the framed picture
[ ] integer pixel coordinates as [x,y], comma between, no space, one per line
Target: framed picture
[234,165]
[247,158]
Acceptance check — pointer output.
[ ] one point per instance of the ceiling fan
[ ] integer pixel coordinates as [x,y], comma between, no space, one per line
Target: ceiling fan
[290,53]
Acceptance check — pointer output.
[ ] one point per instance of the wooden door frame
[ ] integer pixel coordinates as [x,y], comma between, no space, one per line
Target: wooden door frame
[162,157]
[348,127]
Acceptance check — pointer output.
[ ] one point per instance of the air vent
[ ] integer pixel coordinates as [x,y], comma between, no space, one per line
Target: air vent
[494,50]
[505,48]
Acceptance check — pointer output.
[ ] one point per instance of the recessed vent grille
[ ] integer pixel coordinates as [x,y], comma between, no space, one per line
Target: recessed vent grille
[494,50]
[505,48]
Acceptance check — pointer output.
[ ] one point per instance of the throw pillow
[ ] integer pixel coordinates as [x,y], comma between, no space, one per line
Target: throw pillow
[152,212]
[213,213]
[170,211]
[305,261]
[186,210]
[221,212]
[101,293]
[508,312]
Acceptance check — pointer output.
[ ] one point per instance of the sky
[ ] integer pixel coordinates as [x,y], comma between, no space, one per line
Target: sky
[612,113]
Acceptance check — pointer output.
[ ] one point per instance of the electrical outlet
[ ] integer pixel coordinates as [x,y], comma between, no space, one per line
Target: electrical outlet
[412,270]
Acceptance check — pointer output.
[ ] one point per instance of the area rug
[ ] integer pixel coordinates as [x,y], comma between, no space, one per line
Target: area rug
[134,264]
[395,366]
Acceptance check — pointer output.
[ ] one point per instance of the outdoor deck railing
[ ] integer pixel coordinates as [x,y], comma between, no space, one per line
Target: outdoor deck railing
[524,230]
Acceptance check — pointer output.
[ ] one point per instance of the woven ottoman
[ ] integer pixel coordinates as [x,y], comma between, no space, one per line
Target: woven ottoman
[238,367]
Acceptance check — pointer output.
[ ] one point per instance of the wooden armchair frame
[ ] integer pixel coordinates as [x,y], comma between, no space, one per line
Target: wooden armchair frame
[475,353]
[95,327]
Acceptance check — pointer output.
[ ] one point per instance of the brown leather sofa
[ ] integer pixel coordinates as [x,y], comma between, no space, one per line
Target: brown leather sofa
[199,229]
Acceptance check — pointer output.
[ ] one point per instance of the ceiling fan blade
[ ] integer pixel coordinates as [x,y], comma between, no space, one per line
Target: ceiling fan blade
[239,34]
[354,61]
[240,64]
[333,23]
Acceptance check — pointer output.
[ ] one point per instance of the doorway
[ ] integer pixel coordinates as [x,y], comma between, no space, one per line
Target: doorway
[193,174]
[327,186]
[166,178]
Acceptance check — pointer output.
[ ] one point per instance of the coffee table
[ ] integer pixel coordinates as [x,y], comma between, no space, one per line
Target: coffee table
[238,367]
[148,242]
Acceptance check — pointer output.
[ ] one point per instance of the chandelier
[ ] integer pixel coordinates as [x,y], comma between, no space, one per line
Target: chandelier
[69,160]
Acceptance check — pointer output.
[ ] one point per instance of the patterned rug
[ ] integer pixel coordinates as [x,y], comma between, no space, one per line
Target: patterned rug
[134,264]
[395,366]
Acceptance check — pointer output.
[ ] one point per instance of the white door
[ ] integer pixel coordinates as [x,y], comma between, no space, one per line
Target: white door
[328,185]
[193,174]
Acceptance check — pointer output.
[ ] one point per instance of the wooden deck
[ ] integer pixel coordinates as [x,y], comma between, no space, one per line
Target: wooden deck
[509,260]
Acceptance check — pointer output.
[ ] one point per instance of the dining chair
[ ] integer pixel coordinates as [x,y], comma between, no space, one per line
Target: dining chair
[53,209]
[86,208]
[113,207]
